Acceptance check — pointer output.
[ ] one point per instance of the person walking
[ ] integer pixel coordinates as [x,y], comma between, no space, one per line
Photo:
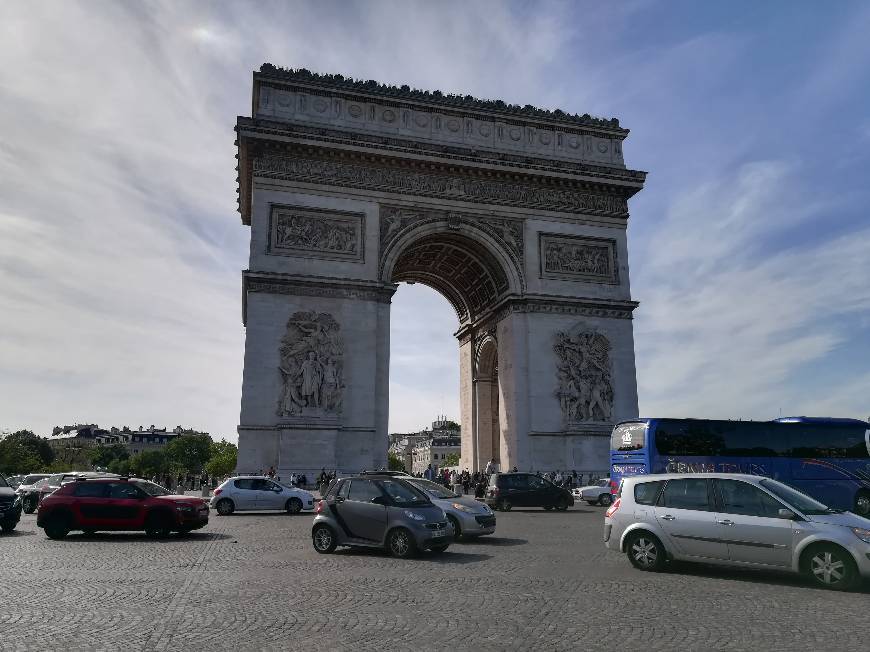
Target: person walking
[490,467]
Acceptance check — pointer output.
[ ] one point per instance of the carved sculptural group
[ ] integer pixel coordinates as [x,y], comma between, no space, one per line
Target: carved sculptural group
[311,355]
[584,389]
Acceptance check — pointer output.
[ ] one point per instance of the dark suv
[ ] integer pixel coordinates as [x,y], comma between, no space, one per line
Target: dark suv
[507,490]
[10,506]
[91,504]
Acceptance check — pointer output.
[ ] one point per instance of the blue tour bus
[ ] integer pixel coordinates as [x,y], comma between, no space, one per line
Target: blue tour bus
[828,459]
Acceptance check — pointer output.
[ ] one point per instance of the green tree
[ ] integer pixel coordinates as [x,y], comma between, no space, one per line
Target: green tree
[222,461]
[103,456]
[189,452]
[15,457]
[70,458]
[148,463]
[452,459]
[394,463]
[121,467]
[38,445]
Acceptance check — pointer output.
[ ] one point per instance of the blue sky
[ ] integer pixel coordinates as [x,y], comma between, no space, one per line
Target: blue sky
[120,248]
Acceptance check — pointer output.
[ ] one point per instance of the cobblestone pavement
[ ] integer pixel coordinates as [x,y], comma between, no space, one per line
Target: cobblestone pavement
[543,582]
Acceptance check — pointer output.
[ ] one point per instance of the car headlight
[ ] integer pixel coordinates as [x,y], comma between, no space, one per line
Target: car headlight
[862,534]
[463,508]
[414,515]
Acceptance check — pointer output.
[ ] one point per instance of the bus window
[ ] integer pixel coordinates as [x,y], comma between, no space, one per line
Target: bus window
[747,439]
[687,438]
[808,440]
[628,437]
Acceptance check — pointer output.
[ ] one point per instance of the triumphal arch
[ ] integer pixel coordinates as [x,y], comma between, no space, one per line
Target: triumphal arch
[516,215]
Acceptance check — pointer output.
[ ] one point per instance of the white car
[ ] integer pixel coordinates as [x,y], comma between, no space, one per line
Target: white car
[596,494]
[259,493]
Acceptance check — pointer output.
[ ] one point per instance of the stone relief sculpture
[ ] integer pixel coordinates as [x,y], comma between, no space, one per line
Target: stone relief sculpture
[584,389]
[577,257]
[312,232]
[311,355]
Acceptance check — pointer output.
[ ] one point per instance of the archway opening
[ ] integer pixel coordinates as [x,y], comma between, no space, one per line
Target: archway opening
[461,268]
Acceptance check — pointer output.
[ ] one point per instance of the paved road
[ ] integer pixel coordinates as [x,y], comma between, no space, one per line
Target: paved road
[249,582]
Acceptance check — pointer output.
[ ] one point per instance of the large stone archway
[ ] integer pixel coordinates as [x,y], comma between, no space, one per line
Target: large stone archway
[516,215]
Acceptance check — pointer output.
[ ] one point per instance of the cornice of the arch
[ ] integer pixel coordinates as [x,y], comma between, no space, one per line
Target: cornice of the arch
[503,237]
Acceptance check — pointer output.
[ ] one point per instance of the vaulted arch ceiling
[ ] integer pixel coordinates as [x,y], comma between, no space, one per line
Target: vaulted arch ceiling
[468,276]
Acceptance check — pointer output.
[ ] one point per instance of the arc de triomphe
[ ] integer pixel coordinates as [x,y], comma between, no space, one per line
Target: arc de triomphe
[515,214]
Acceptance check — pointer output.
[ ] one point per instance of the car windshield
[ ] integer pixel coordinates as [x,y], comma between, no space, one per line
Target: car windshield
[404,494]
[796,499]
[434,489]
[152,489]
[53,480]
[41,483]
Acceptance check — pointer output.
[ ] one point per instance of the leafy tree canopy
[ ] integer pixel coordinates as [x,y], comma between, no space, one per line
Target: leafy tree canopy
[189,452]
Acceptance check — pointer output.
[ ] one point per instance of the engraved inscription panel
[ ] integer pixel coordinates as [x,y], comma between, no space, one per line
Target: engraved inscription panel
[578,258]
[315,233]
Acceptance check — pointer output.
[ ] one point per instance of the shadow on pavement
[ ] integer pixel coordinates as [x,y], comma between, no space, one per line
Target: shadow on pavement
[752,576]
[492,541]
[551,512]
[138,537]
[449,556]
[16,533]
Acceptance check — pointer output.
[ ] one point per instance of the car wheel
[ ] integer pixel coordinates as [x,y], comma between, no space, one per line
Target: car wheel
[439,549]
[58,526]
[457,531]
[225,507]
[7,527]
[645,551]
[604,500]
[562,505]
[293,506]
[29,505]
[830,566]
[158,525]
[400,543]
[323,539]
[862,504]
[548,507]
[505,505]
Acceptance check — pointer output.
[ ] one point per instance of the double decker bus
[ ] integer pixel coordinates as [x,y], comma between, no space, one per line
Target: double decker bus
[826,458]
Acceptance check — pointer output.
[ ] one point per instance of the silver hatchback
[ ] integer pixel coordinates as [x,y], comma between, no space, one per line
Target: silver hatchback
[737,520]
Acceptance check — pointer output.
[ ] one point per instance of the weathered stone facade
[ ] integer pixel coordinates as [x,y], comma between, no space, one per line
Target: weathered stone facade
[516,215]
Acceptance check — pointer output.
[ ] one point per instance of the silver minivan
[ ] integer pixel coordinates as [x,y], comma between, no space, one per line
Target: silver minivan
[737,520]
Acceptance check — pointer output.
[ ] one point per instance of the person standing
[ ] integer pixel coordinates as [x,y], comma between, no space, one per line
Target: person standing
[490,467]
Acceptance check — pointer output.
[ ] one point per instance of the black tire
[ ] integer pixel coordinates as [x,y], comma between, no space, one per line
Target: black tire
[293,506]
[548,507]
[563,504]
[225,507]
[158,525]
[439,549]
[862,504]
[645,551]
[604,500]
[29,504]
[829,566]
[323,539]
[401,544]
[58,526]
[457,531]
[505,505]
[7,527]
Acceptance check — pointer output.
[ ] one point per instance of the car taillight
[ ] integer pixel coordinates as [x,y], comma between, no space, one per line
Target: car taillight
[612,509]
[217,492]
[318,508]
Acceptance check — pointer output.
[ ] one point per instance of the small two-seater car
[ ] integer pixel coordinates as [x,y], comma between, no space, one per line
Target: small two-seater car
[90,504]
[379,511]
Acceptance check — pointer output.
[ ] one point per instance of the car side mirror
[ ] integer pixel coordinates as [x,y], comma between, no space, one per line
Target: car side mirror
[787,514]
[379,500]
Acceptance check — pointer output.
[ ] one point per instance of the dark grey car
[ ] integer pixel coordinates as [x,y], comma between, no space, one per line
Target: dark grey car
[379,512]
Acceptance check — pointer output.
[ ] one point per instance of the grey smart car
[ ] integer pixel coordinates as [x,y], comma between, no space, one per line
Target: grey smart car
[372,511]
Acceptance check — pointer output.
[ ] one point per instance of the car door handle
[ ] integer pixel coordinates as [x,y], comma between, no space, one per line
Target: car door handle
[725,522]
[668,517]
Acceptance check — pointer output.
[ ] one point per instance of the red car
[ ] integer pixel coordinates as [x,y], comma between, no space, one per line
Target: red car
[91,504]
